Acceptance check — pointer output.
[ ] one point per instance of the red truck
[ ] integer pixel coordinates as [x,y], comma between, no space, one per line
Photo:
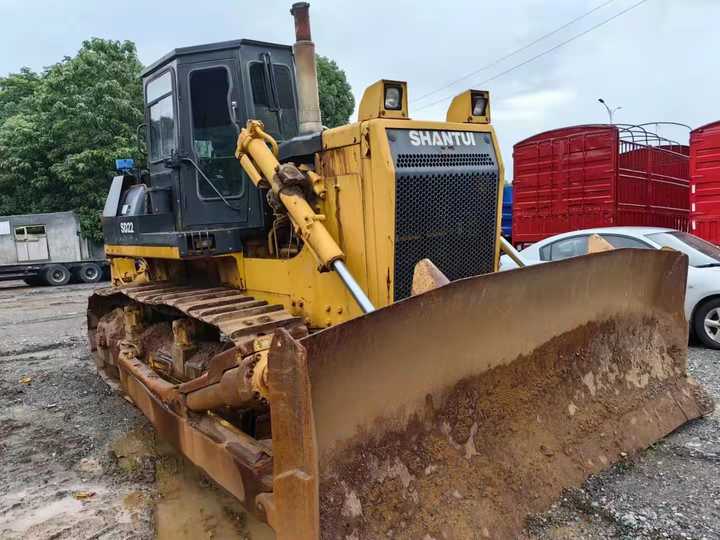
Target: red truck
[587,176]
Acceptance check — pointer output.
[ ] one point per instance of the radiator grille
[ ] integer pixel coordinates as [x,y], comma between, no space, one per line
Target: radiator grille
[448,216]
[444,160]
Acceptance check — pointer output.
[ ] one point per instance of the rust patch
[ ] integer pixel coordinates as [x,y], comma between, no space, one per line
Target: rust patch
[157,338]
[503,444]
[110,331]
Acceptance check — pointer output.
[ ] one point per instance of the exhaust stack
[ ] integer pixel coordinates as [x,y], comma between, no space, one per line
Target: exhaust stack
[306,70]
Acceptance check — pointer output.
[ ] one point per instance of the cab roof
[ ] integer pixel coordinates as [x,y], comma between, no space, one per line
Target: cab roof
[208,47]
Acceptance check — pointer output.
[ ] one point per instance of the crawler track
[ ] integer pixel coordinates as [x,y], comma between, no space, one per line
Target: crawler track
[238,460]
[239,318]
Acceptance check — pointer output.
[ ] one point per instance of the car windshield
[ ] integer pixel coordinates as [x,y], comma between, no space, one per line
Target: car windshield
[701,253]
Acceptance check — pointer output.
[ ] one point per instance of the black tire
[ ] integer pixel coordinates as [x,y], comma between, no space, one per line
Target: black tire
[708,334]
[56,275]
[34,281]
[90,273]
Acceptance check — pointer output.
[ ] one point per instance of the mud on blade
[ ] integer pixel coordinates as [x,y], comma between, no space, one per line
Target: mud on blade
[456,413]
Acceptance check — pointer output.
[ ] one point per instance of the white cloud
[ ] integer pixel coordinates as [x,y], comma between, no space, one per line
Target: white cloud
[542,98]
[532,105]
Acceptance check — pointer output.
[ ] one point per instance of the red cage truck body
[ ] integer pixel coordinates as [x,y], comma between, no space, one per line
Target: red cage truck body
[705,182]
[596,176]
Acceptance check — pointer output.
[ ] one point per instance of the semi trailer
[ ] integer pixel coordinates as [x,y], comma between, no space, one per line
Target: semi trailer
[49,249]
[705,182]
[581,177]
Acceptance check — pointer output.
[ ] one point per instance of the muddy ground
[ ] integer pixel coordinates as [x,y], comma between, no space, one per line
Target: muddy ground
[78,461]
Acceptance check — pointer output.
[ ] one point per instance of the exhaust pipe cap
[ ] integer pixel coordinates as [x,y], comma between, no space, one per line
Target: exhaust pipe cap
[301,13]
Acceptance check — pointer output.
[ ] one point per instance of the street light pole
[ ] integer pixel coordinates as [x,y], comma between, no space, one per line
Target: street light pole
[610,111]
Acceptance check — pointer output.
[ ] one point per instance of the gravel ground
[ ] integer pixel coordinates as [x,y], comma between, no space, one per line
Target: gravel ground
[57,420]
[78,461]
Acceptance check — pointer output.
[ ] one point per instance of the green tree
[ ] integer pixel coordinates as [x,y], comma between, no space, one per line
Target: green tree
[15,91]
[62,130]
[336,100]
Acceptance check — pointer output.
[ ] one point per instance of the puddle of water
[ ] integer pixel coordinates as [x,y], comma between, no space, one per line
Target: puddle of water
[188,506]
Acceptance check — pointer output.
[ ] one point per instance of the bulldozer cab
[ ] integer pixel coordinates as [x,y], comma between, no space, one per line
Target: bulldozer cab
[196,100]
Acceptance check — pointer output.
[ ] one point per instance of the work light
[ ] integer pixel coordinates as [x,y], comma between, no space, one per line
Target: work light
[479,104]
[393,98]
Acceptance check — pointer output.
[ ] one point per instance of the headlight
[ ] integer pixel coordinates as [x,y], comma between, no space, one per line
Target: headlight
[393,98]
[479,105]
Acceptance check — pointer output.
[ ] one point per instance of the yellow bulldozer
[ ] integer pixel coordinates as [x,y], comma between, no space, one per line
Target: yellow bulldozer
[314,316]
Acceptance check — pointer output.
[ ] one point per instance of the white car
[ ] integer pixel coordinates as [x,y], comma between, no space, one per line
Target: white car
[702,297]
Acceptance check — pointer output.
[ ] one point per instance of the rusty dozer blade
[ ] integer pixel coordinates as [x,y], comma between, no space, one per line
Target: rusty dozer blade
[455,413]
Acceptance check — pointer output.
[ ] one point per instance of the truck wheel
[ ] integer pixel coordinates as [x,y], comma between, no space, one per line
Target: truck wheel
[706,323]
[56,275]
[90,273]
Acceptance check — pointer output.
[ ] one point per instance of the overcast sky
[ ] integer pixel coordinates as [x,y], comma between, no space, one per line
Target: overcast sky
[659,61]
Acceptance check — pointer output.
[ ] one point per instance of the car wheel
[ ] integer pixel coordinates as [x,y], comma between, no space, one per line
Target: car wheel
[706,323]
[90,273]
[56,275]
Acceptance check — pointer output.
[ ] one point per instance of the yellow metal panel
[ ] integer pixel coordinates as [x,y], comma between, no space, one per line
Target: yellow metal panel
[151,252]
[339,161]
[380,185]
[230,269]
[349,218]
[498,210]
[319,297]
[341,136]
[123,270]
[430,124]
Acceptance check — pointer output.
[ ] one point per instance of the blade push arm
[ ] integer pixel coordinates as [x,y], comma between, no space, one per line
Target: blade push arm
[286,181]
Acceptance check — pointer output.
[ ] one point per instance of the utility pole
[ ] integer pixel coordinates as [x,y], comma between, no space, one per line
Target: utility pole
[610,111]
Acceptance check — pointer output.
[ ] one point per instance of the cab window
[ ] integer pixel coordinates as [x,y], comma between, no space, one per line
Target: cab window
[214,134]
[159,99]
[273,98]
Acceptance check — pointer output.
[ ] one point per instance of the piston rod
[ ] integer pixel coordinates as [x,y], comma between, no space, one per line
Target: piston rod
[511,252]
[352,286]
